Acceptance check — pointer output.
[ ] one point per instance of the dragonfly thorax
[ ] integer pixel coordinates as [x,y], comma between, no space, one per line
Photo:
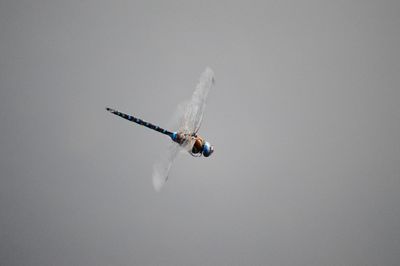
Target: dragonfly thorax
[195,144]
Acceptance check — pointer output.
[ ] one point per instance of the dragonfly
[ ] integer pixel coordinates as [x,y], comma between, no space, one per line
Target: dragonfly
[187,120]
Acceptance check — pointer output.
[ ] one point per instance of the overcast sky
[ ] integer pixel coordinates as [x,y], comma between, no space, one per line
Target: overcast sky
[304,117]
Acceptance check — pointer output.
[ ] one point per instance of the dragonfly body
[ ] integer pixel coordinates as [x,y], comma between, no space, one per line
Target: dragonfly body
[195,144]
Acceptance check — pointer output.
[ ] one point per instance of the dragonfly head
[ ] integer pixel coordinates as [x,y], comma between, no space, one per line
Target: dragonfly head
[208,149]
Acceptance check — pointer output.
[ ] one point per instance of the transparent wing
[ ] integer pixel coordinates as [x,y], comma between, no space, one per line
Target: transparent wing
[194,109]
[187,119]
[163,165]
[177,121]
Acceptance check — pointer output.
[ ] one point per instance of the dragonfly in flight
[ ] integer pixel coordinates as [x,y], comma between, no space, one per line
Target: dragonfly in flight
[184,138]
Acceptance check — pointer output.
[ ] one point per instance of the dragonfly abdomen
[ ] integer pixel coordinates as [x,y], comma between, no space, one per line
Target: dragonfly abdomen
[140,122]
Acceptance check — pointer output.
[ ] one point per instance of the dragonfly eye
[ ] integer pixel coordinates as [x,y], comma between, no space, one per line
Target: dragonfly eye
[208,149]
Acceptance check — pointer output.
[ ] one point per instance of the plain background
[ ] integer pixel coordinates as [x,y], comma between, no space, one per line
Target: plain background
[304,116]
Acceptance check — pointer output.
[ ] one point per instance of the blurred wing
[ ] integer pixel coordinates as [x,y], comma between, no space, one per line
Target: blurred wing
[187,119]
[193,114]
[163,165]
[177,121]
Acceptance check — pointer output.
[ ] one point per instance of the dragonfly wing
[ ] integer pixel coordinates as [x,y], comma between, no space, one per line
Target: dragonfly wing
[177,122]
[162,167]
[195,108]
[187,119]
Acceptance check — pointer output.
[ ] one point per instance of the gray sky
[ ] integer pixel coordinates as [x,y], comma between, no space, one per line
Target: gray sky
[305,119]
